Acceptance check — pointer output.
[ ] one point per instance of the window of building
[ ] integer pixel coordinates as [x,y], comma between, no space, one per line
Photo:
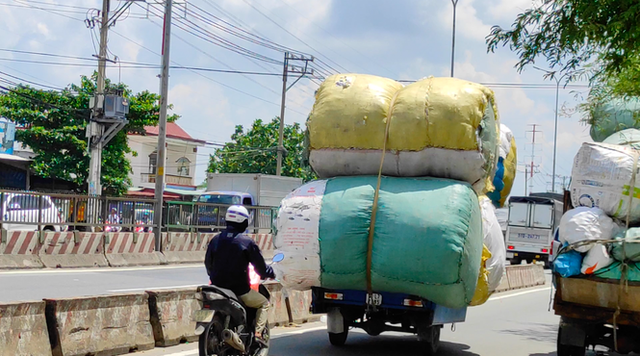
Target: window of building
[153,162]
[183,166]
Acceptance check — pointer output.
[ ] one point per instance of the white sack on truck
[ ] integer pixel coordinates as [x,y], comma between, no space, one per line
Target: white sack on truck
[494,241]
[601,177]
[586,224]
[596,259]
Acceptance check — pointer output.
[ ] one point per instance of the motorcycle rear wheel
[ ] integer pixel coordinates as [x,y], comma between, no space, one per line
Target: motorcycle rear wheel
[209,342]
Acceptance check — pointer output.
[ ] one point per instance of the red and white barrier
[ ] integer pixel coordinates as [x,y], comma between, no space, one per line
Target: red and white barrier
[185,247]
[264,241]
[131,249]
[20,250]
[73,249]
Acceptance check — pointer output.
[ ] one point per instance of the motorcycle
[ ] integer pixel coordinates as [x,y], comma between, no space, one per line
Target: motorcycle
[225,326]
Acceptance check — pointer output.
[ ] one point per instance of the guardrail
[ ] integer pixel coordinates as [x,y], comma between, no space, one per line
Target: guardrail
[33,211]
[66,212]
[206,217]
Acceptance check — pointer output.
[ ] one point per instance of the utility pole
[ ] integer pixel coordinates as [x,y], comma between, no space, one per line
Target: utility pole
[108,110]
[533,153]
[285,71]
[95,129]
[525,179]
[303,71]
[453,36]
[162,124]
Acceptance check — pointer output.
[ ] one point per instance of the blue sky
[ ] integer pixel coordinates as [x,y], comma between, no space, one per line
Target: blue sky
[404,39]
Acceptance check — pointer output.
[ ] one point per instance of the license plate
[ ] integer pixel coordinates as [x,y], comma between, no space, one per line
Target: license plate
[509,254]
[374,299]
[203,316]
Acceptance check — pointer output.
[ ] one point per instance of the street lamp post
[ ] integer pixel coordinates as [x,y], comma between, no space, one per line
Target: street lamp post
[555,123]
[453,35]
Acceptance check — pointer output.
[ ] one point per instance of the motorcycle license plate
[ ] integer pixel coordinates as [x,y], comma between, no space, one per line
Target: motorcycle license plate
[203,316]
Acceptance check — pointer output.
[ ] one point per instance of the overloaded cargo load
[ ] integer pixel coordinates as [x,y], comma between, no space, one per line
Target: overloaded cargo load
[428,238]
[614,116]
[505,172]
[420,246]
[438,127]
[628,137]
[601,176]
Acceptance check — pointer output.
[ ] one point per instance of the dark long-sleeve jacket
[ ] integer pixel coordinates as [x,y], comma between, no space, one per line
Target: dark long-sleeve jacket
[227,261]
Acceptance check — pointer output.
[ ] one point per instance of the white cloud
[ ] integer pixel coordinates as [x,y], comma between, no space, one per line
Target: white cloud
[508,9]
[467,22]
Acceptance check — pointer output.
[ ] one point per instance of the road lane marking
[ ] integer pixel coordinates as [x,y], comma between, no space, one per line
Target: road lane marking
[153,288]
[545,289]
[101,269]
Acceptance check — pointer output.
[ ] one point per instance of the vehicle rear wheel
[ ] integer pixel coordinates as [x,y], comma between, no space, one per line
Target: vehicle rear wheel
[569,350]
[209,342]
[430,339]
[339,339]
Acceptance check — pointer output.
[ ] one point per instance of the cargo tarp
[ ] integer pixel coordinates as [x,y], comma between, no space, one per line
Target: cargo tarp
[613,116]
[439,127]
[428,237]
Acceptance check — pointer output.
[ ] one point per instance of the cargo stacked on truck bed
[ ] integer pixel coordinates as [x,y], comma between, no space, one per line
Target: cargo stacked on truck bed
[597,269]
[400,234]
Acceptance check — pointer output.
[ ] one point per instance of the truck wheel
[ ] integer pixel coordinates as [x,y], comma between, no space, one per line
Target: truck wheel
[569,350]
[430,339]
[340,338]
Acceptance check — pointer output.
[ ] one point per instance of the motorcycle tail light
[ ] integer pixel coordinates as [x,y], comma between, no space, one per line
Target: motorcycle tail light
[412,303]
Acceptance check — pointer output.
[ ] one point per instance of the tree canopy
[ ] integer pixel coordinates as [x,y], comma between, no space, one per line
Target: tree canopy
[53,124]
[254,151]
[596,38]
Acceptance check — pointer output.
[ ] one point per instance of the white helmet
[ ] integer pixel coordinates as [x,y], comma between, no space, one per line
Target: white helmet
[237,214]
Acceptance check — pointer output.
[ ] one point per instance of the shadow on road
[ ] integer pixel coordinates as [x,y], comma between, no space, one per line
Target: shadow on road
[589,353]
[317,343]
[535,332]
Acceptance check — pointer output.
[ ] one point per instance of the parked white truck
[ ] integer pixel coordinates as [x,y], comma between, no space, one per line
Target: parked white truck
[248,189]
[530,227]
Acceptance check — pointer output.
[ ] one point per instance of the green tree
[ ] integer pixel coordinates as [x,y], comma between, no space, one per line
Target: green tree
[598,39]
[53,125]
[254,151]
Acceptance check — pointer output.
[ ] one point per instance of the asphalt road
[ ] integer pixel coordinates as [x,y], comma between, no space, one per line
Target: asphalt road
[25,285]
[509,324]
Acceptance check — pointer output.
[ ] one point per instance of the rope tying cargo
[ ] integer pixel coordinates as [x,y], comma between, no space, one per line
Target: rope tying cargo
[624,285]
[374,207]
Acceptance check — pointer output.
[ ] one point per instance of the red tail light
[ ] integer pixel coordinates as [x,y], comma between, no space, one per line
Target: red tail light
[544,250]
[511,248]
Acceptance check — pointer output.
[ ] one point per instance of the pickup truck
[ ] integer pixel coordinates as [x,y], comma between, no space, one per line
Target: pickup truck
[379,312]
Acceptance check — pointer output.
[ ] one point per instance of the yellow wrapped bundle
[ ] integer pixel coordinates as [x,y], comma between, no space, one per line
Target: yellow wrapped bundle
[439,127]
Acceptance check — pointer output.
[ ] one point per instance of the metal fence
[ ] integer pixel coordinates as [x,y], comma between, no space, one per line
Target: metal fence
[65,212]
[205,217]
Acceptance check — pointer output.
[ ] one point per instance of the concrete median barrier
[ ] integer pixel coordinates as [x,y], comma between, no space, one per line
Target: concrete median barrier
[185,247]
[504,284]
[300,304]
[19,249]
[23,329]
[171,315]
[525,276]
[103,325]
[132,249]
[73,249]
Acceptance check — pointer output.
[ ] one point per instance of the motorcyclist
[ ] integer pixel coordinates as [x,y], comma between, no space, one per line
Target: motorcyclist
[227,262]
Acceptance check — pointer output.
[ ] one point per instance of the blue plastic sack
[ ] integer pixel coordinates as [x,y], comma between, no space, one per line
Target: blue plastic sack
[568,264]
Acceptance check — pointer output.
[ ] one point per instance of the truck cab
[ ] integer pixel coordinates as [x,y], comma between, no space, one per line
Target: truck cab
[215,204]
[530,227]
